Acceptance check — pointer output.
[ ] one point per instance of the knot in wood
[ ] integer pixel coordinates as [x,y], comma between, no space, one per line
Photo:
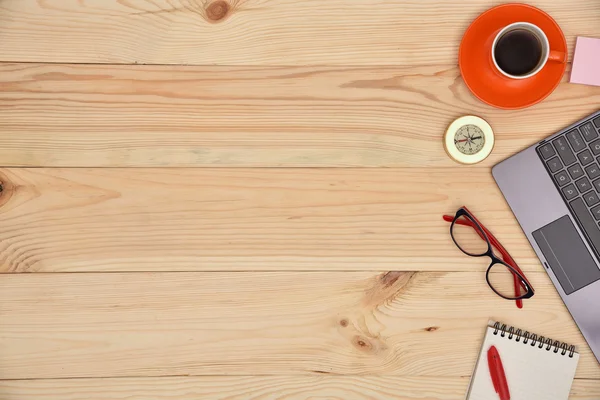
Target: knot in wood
[217,10]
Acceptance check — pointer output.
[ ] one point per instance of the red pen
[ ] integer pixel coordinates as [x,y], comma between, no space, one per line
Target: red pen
[497,373]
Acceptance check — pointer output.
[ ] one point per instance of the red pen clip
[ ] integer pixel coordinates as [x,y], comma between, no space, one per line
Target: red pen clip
[497,373]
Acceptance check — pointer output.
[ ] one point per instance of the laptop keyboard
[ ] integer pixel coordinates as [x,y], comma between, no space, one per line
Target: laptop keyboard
[573,159]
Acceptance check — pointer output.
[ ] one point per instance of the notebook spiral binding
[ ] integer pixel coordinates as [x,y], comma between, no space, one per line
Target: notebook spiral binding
[533,339]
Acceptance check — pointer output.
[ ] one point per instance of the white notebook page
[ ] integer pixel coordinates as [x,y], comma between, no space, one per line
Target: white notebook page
[531,372]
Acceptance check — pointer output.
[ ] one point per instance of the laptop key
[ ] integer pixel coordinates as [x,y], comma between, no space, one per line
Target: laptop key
[564,150]
[587,223]
[555,165]
[589,133]
[570,192]
[591,198]
[596,184]
[547,151]
[583,216]
[597,122]
[575,171]
[595,147]
[562,178]
[592,171]
[583,185]
[585,157]
[574,137]
[596,212]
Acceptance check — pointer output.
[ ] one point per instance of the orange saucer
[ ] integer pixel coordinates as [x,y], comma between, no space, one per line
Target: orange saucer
[479,72]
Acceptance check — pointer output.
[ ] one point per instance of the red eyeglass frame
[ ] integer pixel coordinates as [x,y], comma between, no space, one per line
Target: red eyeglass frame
[495,243]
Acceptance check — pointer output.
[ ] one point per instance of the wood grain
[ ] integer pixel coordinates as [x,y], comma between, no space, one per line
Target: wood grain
[257,388]
[182,219]
[254,32]
[122,116]
[235,282]
[259,323]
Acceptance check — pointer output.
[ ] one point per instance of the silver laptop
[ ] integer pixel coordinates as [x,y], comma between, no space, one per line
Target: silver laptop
[553,188]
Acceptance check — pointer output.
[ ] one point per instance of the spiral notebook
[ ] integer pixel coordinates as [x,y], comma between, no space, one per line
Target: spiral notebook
[536,367]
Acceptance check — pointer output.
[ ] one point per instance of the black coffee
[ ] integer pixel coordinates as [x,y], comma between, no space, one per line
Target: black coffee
[518,52]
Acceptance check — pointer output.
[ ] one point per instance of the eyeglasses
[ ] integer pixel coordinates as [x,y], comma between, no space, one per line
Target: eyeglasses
[503,276]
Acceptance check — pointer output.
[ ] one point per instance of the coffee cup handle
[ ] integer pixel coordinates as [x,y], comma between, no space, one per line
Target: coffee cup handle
[557,56]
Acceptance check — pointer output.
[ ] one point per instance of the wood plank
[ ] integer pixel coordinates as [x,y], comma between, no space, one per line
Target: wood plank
[258,32]
[117,116]
[259,323]
[179,219]
[257,388]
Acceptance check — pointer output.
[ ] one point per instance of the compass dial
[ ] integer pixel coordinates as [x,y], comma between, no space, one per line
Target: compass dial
[469,139]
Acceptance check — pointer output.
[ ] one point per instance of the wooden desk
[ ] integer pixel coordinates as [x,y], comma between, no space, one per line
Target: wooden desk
[242,199]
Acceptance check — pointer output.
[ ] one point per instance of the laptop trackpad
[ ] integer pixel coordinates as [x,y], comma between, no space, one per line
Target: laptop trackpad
[567,255]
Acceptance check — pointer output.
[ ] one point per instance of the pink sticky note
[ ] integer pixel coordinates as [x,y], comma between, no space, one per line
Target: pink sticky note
[586,62]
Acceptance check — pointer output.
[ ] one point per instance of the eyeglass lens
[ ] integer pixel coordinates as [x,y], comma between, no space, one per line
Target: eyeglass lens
[468,236]
[501,279]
